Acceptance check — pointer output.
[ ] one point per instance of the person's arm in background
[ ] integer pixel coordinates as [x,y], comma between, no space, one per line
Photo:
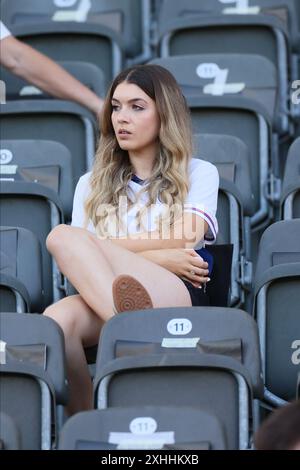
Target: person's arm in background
[43,72]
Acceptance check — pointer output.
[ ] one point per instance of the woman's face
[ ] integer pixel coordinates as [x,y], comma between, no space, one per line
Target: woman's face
[135,119]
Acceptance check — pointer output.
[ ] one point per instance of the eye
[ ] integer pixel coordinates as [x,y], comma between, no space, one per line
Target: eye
[115,107]
[137,108]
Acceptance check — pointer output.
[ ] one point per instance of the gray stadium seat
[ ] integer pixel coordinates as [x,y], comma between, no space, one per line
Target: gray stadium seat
[144,355]
[45,162]
[39,161]
[286,10]
[88,74]
[250,127]
[38,209]
[33,375]
[276,307]
[9,433]
[20,262]
[235,202]
[228,75]
[231,157]
[59,121]
[146,427]
[183,29]
[130,19]
[14,296]
[245,112]
[75,42]
[290,197]
[230,219]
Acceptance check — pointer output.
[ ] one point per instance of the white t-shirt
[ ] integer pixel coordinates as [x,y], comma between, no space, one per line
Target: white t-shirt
[4,32]
[201,200]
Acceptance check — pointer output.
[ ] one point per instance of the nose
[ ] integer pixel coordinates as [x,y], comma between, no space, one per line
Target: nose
[123,115]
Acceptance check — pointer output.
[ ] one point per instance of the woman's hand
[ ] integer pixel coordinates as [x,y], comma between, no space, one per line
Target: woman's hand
[184,262]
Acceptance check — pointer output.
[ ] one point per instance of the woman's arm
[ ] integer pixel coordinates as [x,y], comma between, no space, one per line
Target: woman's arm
[36,68]
[185,263]
[185,233]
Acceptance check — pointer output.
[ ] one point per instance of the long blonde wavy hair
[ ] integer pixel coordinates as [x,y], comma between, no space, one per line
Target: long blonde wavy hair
[112,169]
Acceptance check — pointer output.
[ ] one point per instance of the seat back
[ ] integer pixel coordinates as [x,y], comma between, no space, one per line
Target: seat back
[128,18]
[285,10]
[14,296]
[40,161]
[212,13]
[19,199]
[33,375]
[179,349]
[229,215]
[21,260]
[143,428]
[9,433]
[276,307]
[248,126]
[88,74]
[231,157]
[226,86]
[54,120]
[290,196]
[213,384]
[238,34]
[227,75]
[218,35]
[279,244]
[184,329]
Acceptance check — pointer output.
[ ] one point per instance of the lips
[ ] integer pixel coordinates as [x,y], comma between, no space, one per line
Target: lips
[123,132]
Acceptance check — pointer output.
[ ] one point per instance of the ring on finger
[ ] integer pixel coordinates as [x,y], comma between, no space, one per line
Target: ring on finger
[192,273]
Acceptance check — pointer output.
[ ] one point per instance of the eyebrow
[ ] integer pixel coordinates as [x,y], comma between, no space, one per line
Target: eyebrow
[130,101]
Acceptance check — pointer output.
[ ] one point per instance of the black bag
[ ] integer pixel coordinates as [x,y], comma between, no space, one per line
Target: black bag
[218,288]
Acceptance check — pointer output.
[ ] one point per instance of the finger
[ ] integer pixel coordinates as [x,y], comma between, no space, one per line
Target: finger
[190,251]
[198,278]
[196,255]
[198,271]
[197,285]
[202,280]
[199,262]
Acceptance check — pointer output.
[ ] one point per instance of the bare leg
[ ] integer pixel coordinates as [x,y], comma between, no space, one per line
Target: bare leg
[81,327]
[91,265]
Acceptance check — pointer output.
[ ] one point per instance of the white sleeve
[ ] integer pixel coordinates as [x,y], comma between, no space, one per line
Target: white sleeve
[81,193]
[202,198]
[4,32]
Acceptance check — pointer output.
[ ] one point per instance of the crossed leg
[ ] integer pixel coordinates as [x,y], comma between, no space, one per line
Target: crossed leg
[81,328]
[91,265]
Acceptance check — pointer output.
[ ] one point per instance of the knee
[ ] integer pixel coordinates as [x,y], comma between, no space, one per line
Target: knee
[65,318]
[64,238]
[57,237]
